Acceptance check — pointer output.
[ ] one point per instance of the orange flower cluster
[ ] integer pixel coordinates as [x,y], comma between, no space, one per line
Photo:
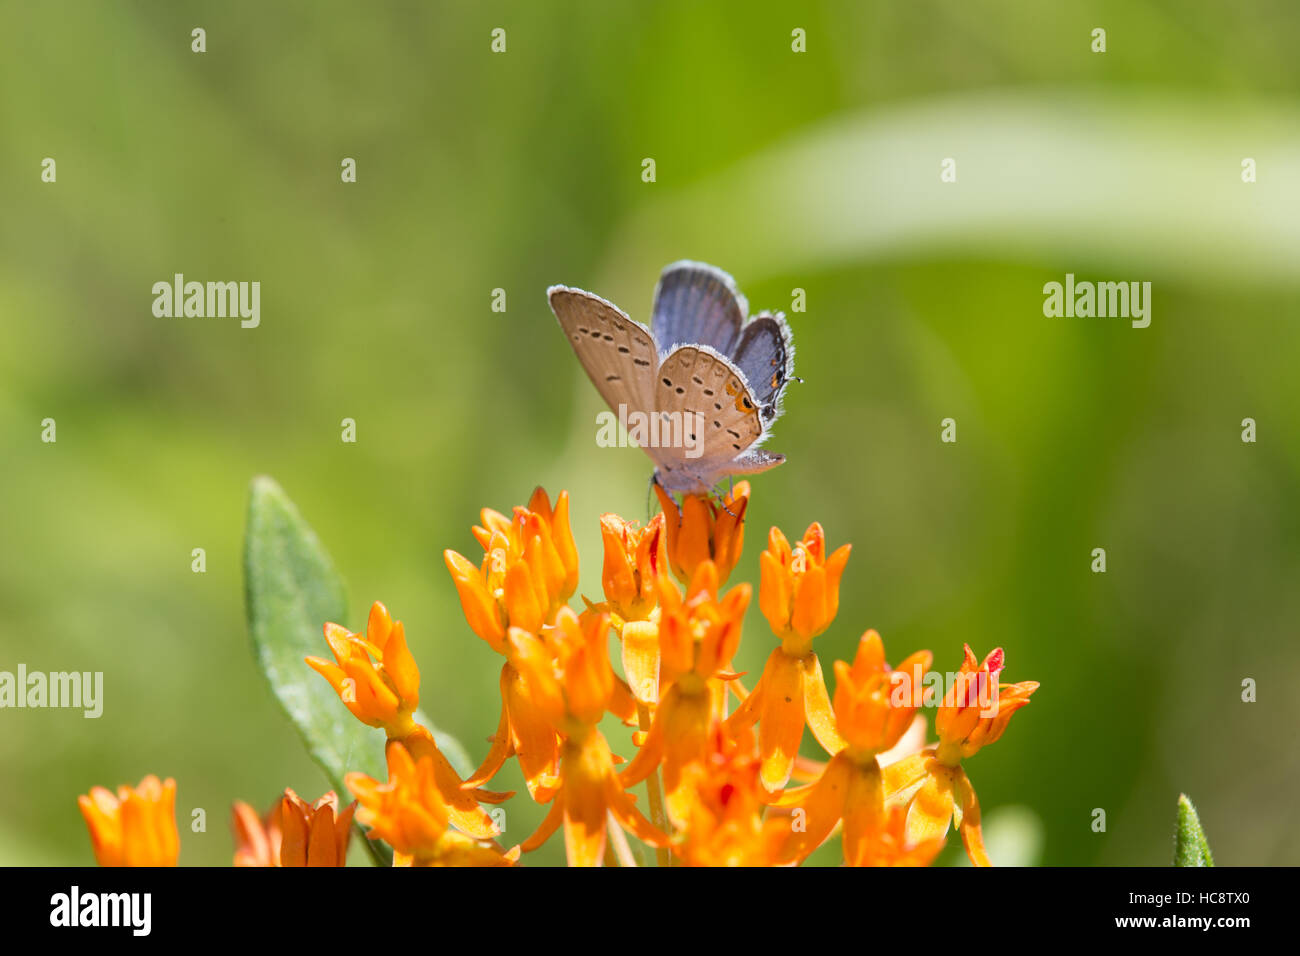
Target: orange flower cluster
[718,776]
[134,827]
[294,833]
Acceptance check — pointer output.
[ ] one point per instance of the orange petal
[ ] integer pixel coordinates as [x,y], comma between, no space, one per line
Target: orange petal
[584,805]
[971,835]
[806,769]
[400,667]
[343,832]
[687,722]
[476,602]
[293,834]
[617,575]
[522,605]
[693,543]
[816,817]
[932,807]
[817,706]
[792,796]
[729,532]
[501,748]
[379,624]
[864,814]
[532,737]
[672,522]
[550,823]
[456,849]
[647,758]
[809,616]
[252,847]
[904,776]
[774,592]
[622,704]
[331,672]
[463,810]
[623,806]
[562,537]
[814,543]
[322,847]
[747,714]
[780,727]
[835,568]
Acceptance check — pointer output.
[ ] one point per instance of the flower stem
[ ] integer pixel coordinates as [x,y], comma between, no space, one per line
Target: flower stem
[655,793]
[618,840]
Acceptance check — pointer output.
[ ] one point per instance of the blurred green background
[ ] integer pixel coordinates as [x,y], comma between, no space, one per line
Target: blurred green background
[817,171]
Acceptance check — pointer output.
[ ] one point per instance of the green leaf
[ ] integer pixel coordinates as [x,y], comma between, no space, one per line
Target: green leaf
[1190,845]
[849,189]
[292,589]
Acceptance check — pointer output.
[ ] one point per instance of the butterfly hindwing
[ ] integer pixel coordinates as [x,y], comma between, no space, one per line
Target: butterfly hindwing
[697,304]
[710,394]
[617,353]
[766,356]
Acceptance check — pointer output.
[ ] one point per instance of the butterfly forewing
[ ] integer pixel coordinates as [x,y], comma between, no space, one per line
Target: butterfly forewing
[697,304]
[708,393]
[617,353]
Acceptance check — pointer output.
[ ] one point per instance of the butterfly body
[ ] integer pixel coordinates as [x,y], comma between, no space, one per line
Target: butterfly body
[706,375]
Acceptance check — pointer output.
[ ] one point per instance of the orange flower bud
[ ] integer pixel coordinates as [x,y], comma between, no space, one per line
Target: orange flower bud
[699,633]
[634,560]
[583,654]
[382,692]
[411,814]
[976,711]
[257,839]
[135,827]
[542,686]
[870,714]
[702,530]
[313,834]
[529,569]
[567,669]
[799,591]
[561,536]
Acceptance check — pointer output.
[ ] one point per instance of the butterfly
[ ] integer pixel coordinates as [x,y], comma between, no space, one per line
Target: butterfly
[705,374]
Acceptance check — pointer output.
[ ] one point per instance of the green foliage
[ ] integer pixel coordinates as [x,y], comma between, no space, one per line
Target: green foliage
[1190,846]
[292,589]
[818,171]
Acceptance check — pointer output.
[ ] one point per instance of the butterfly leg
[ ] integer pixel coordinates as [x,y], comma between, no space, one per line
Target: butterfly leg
[654,480]
[649,494]
[722,502]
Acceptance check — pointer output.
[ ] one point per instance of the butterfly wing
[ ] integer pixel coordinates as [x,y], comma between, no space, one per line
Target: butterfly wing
[697,304]
[766,355]
[720,415]
[721,406]
[617,353]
